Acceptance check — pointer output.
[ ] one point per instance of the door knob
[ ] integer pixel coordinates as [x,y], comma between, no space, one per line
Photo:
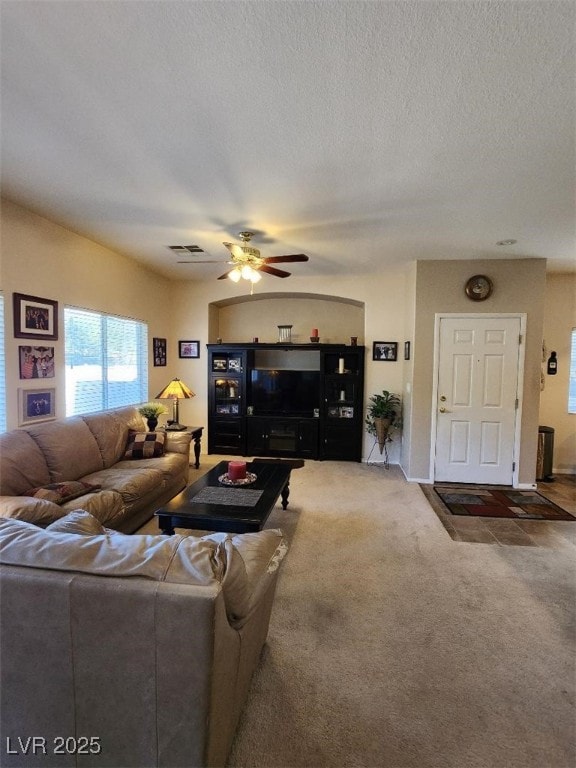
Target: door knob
[442,410]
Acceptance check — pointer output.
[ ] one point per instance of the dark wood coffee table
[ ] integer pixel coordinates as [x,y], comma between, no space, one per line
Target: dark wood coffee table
[208,505]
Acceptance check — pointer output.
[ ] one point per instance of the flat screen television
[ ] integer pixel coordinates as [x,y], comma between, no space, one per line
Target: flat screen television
[290,393]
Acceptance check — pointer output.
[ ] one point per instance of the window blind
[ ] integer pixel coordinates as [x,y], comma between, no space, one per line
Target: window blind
[106,361]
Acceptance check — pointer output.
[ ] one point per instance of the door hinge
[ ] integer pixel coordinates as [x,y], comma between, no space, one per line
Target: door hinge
[516,404]
[513,466]
[520,338]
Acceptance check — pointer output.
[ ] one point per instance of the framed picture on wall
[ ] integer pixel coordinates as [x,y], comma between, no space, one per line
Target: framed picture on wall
[159,351]
[35,318]
[385,350]
[36,362]
[188,349]
[36,405]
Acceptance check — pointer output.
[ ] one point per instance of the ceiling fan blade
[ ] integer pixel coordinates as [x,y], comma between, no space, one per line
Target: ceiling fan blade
[236,250]
[291,258]
[273,271]
[225,275]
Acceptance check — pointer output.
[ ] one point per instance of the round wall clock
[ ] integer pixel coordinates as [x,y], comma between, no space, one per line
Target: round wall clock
[479,287]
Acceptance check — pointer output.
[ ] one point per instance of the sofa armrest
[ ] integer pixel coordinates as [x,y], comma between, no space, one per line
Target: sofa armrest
[30,509]
[106,506]
[178,442]
[250,565]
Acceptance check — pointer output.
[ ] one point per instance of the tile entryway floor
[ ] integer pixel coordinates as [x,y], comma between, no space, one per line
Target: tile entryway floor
[554,534]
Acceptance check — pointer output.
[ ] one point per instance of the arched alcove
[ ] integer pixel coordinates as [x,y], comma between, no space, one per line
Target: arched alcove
[244,318]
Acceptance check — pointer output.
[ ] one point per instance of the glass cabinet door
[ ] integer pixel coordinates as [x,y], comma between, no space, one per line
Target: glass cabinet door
[227,396]
[340,397]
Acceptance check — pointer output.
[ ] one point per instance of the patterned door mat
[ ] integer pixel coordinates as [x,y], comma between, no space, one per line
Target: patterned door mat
[486,501]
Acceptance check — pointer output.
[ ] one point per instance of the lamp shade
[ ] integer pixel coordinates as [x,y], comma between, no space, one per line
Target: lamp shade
[176,389]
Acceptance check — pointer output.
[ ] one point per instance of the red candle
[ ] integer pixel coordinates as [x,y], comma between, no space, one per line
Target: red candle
[236,470]
[314,332]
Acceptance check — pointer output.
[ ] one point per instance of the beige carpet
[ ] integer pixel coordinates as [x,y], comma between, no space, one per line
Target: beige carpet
[393,646]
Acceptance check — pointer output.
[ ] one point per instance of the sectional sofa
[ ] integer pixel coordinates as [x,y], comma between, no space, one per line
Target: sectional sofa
[104,462]
[120,650]
[128,650]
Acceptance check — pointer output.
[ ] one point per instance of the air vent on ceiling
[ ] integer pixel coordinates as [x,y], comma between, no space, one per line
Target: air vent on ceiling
[184,250]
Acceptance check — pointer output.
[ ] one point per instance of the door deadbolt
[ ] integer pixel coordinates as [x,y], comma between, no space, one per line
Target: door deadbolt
[443,398]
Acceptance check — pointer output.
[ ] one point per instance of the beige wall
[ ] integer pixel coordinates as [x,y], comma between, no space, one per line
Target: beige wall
[559,320]
[518,288]
[259,315]
[408,368]
[40,258]
[43,259]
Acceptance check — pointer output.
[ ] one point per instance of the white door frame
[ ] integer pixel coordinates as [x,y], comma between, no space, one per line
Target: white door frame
[439,316]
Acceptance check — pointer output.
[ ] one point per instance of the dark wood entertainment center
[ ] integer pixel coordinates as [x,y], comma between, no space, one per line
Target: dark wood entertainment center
[292,400]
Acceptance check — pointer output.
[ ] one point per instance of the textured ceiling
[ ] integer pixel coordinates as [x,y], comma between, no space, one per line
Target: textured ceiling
[360,133]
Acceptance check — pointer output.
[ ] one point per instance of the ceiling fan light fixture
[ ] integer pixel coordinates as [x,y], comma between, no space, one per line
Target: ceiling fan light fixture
[248,264]
[235,275]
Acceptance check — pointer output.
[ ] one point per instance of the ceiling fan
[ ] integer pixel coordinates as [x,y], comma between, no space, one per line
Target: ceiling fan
[247,262]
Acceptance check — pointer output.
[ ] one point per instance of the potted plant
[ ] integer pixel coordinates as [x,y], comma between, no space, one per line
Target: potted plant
[151,411]
[382,415]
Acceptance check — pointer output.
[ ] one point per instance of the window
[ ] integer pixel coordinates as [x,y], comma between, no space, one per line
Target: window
[572,385]
[2,370]
[106,361]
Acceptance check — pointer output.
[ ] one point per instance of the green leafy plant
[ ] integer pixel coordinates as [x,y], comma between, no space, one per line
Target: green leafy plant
[384,406]
[152,410]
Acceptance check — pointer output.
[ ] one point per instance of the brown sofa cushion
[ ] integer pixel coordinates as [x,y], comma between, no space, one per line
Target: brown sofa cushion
[23,464]
[70,449]
[110,429]
[130,480]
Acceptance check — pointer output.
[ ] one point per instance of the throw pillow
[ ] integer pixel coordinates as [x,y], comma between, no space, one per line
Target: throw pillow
[78,521]
[145,445]
[59,493]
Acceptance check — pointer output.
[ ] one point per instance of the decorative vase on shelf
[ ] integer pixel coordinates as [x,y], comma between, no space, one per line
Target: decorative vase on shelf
[152,423]
[284,334]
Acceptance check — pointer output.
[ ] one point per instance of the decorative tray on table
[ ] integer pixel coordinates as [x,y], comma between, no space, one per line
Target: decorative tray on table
[248,480]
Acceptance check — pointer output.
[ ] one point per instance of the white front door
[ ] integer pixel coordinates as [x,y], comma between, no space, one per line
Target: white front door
[476,399]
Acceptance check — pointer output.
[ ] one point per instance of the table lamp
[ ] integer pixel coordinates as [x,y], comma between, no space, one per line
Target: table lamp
[176,390]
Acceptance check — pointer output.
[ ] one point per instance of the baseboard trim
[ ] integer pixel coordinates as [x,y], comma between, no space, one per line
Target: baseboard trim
[427,481]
